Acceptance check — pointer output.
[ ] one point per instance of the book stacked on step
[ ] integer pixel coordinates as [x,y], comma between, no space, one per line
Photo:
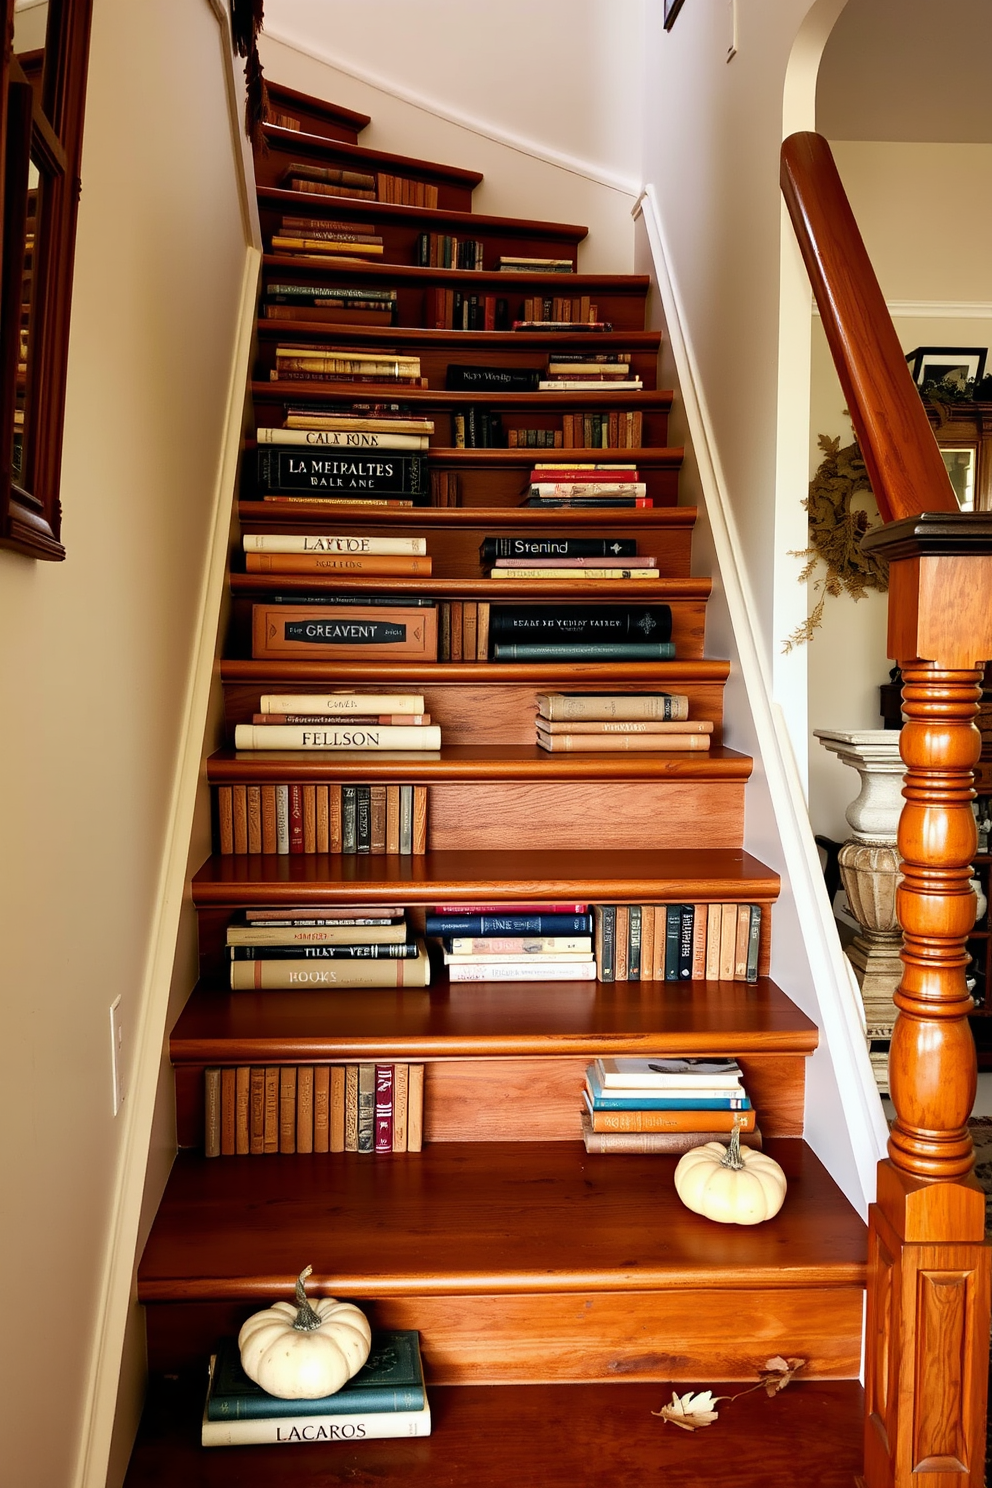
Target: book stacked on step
[567,632]
[442,251]
[579,324]
[347,304]
[578,485]
[328,180]
[321,363]
[677,942]
[253,1111]
[354,627]
[317,237]
[453,310]
[664,1105]
[385,1399]
[612,723]
[515,942]
[298,818]
[344,553]
[513,264]
[371,949]
[359,454]
[585,372]
[571,558]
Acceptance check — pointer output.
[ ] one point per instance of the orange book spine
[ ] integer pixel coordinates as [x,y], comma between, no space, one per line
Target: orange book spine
[304,1108]
[372,565]
[321,1107]
[660,1121]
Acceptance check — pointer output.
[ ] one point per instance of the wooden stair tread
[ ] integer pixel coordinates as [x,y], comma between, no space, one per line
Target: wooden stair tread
[333,112]
[658,591]
[483,762]
[218,1026]
[306,145]
[484,516]
[431,218]
[317,392]
[555,1436]
[481,1219]
[623,284]
[638,876]
[463,340]
[594,675]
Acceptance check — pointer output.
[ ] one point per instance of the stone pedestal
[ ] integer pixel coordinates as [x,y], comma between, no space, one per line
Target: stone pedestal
[870,869]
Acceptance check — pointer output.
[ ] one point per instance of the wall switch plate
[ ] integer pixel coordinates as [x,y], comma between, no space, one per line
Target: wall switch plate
[117,1054]
[732,29]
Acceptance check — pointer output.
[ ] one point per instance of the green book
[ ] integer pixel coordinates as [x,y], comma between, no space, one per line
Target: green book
[753,943]
[584,651]
[605,916]
[391,1379]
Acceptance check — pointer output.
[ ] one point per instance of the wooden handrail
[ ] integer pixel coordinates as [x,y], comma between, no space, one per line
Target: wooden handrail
[903,461]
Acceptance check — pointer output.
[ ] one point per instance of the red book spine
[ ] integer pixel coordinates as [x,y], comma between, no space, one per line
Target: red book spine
[475,909]
[490,312]
[384,1108]
[296,818]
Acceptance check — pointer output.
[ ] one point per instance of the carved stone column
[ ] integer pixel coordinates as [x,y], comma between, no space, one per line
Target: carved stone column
[870,870]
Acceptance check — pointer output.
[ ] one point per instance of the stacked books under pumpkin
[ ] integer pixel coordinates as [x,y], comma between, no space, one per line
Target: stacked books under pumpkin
[587,722]
[515,942]
[365,454]
[302,949]
[571,558]
[386,1398]
[664,1105]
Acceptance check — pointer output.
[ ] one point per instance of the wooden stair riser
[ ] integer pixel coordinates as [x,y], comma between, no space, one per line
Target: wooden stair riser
[315,116]
[579,1336]
[524,1100]
[454,187]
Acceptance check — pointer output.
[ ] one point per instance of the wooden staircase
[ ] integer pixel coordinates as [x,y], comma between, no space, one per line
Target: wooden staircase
[577,1284]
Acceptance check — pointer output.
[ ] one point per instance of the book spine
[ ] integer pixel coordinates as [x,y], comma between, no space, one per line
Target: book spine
[366,1107]
[283,1430]
[256,1134]
[225,820]
[383,1108]
[360,633]
[754,943]
[351,1108]
[295,814]
[686,928]
[563,707]
[373,566]
[212,1101]
[509,924]
[670,1142]
[338,1081]
[271,1130]
[634,943]
[284,975]
[579,651]
[304,1108]
[242,1112]
[523,971]
[406,819]
[345,439]
[248,736]
[673,927]
[415,1108]
[622,941]
[682,1120]
[281,542]
[401,1096]
[321,1108]
[624,743]
[287,1108]
[227,1112]
[306,469]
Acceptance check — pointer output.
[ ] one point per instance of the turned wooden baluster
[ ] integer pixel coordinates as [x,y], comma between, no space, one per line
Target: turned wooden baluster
[927,1340]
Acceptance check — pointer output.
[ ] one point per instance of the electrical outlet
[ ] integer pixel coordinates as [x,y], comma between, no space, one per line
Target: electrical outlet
[117,1054]
[732,29]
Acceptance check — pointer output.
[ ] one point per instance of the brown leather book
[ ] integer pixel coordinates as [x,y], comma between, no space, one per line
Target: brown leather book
[371,565]
[287,1108]
[304,1108]
[211,1129]
[242,1110]
[321,1108]
[344,632]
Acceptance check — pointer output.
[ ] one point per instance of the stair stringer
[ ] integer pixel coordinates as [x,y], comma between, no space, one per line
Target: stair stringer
[845,1124]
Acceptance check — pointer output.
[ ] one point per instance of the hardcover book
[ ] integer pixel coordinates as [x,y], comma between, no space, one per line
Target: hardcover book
[290,469]
[535,624]
[356,633]
[351,544]
[493,379]
[495,548]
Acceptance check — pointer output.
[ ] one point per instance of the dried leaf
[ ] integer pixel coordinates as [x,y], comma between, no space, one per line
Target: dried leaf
[778,1372]
[691,1411]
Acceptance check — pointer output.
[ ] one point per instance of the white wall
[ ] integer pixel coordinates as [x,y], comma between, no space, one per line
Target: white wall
[97,673]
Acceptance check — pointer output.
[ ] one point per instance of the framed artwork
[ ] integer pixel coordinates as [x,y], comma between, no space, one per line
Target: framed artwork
[957,365]
[672,8]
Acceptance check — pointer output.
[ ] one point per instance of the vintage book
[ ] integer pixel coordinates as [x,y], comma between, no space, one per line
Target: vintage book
[728,941]
[536,969]
[363,819]
[343,439]
[227,1112]
[271,1138]
[324,914]
[337,1108]
[342,703]
[415,1108]
[401,1084]
[342,736]
[519,946]
[351,1108]
[239,813]
[321,1108]
[406,818]
[288,975]
[581,623]
[307,171]
[714,921]
[242,1085]
[634,943]
[583,651]
[754,943]
[256,1112]
[740,948]
[699,927]
[530,907]
[281,243]
[613,707]
[283,1430]
[589,575]
[328,471]
[304,1108]
[669,1074]
[383,1138]
[508,263]
[564,567]
[289,292]
[350,544]
[212,1118]
[575,726]
[377,818]
[406,951]
[614,1140]
[287,1108]
[618,743]
[686,928]
[492,379]
[366,1107]
[508,924]
[225,819]
[590,385]
[305,720]
[648,1101]
[673,927]
[349,818]
[605,919]
[348,634]
[418,823]
[493,549]
[639,1119]
[330,935]
[391,1379]
[622,950]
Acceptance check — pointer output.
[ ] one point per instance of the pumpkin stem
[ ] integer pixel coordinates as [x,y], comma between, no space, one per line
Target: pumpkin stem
[733,1159]
[306,1321]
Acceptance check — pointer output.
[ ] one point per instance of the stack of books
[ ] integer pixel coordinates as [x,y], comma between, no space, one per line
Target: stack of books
[295,818]
[664,1105]
[451,310]
[327,180]
[565,558]
[354,453]
[343,303]
[515,942]
[321,363]
[364,948]
[386,1398]
[584,372]
[581,484]
[567,632]
[441,251]
[609,723]
[406,193]
[318,553]
[317,237]
[256,1112]
[512,264]
[559,312]
[677,942]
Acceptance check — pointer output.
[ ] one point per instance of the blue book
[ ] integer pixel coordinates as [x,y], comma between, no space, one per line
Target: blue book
[391,1379]
[509,924]
[600,1099]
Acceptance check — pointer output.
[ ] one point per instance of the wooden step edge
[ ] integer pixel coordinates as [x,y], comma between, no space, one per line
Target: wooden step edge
[662,591]
[649,400]
[653,457]
[645,341]
[450,877]
[319,144]
[636,285]
[334,112]
[591,675]
[217,1026]
[427,218]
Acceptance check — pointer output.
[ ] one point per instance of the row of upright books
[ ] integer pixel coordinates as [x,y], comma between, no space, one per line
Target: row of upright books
[444,309]
[677,942]
[336,819]
[663,1104]
[257,1111]
[306,950]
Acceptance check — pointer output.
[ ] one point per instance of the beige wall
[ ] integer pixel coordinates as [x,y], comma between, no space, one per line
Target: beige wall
[95,670]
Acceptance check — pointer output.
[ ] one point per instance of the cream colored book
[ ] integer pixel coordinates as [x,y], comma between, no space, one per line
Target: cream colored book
[302,423]
[334,353]
[624,726]
[640,575]
[613,707]
[312,542]
[350,437]
[287,976]
[297,935]
[341,704]
[325,245]
[621,743]
[353,737]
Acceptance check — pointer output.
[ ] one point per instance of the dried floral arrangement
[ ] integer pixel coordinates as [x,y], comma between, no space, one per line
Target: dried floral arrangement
[690,1412]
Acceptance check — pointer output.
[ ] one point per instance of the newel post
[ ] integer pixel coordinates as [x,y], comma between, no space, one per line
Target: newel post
[927,1338]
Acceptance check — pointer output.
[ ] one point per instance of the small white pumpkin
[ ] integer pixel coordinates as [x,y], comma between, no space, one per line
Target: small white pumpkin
[304,1352]
[732,1185]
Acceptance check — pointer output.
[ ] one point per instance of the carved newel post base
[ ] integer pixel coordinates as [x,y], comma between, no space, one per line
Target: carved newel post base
[870,870]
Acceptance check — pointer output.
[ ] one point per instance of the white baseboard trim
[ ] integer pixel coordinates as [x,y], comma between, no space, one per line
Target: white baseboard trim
[936,309]
[839,1019]
[482,127]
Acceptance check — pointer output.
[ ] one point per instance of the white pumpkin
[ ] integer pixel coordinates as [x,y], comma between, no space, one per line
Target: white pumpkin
[304,1352]
[733,1185]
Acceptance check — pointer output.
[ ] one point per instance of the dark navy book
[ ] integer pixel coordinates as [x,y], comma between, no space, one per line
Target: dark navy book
[391,1379]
